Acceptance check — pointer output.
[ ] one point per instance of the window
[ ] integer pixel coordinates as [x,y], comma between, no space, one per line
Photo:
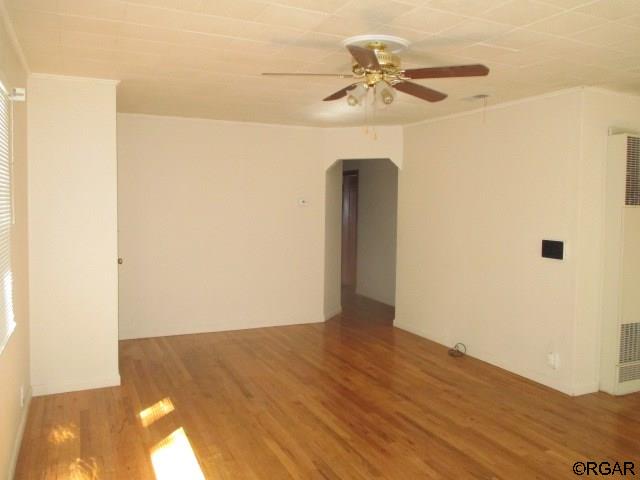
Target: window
[7,320]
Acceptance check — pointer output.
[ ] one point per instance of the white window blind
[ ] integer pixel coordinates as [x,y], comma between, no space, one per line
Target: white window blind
[7,320]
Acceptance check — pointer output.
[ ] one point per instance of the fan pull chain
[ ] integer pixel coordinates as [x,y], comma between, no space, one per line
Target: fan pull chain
[484,109]
[369,120]
[374,105]
[366,112]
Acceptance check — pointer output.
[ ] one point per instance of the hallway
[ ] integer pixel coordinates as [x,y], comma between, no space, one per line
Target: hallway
[358,308]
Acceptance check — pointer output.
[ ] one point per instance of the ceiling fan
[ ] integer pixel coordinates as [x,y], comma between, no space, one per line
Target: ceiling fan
[375,63]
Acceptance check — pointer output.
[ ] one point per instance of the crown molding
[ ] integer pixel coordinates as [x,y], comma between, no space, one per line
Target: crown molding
[73,78]
[8,25]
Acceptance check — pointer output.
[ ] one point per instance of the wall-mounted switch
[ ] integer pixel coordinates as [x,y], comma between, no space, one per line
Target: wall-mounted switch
[553,249]
[18,95]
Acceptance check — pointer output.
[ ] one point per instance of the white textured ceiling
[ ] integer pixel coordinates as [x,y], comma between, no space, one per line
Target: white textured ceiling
[202,58]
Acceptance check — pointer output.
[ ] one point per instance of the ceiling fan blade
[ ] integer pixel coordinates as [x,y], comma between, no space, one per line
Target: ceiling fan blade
[340,93]
[365,57]
[444,72]
[334,75]
[420,91]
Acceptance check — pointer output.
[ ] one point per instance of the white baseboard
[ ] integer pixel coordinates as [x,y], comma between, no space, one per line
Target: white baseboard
[126,334]
[411,329]
[584,389]
[13,460]
[50,389]
[624,388]
[487,357]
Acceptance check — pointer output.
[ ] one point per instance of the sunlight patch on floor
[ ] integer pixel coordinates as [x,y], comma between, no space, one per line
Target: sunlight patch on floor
[156,411]
[81,469]
[62,433]
[173,458]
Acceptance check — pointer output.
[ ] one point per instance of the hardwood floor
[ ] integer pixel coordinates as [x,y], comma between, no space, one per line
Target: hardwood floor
[353,398]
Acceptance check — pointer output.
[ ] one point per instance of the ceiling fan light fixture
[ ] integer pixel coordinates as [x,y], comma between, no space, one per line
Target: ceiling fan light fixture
[386,96]
[359,95]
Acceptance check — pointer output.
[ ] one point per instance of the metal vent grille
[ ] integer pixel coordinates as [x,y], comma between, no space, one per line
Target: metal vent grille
[629,343]
[632,196]
[627,373]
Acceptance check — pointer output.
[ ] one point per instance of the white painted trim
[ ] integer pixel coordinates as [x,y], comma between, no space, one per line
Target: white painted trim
[50,389]
[204,329]
[578,216]
[258,124]
[488,358]
[585,388]
[17,443]
[216,120]
[626,388]
[411,329]
[51,76]
[8,25]
[395,162]
[497,106]
[608,91]
[518,101]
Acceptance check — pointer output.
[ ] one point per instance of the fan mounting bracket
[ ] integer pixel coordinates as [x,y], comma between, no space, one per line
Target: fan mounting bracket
[392,43]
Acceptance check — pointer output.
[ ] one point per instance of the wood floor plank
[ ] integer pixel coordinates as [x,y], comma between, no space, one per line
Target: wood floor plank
[353,398]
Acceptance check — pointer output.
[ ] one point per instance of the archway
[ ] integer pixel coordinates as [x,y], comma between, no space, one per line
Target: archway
[376,265]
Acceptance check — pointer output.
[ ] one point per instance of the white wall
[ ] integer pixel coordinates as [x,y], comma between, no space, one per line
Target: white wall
[377,227]
[14,359]
[72,233]
[211,232]
[478,193]
[355,142]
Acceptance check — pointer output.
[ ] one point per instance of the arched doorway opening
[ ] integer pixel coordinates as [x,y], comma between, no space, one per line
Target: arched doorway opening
[360,237]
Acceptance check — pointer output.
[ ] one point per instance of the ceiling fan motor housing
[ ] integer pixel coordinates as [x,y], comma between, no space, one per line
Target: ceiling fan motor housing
[384,56]
[389,62]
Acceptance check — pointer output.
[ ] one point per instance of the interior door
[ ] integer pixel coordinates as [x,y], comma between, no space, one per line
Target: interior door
[349,228]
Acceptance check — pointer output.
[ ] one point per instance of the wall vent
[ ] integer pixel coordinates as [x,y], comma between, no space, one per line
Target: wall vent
[632,194]
[620,359]
[629,357]
[629,343]
[627,373]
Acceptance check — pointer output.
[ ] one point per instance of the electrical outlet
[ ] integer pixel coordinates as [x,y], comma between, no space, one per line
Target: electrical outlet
[22,396]
[553,360]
